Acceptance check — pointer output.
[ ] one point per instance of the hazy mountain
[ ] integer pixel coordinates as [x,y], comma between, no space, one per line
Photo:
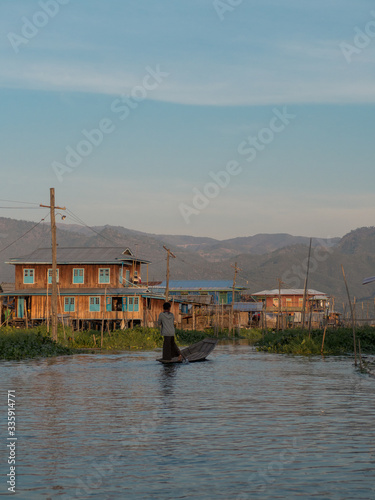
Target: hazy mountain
[263,258]
[215,250]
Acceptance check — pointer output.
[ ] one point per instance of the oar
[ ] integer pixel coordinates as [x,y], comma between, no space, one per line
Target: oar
[184,357]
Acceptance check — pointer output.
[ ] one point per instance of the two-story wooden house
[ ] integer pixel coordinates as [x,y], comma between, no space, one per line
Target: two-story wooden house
[288,303]
[94,285]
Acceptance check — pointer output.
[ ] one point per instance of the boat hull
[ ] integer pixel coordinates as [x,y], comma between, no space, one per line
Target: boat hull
[194,353]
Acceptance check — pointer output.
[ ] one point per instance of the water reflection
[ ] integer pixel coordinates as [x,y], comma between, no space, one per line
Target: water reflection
[244,425]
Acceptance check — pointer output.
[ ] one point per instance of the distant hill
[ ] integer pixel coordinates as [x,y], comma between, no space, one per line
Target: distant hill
[259,244]
[263,258]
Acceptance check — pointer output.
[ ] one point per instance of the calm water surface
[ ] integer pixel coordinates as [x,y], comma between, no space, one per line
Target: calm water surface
[244,425]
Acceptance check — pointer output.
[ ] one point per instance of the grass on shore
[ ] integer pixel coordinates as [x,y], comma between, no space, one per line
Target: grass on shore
[16,344]
[337,341]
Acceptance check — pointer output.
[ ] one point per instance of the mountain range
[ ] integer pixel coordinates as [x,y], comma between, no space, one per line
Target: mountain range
[263,259]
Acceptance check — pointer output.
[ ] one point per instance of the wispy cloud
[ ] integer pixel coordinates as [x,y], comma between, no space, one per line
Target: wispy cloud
[324,78]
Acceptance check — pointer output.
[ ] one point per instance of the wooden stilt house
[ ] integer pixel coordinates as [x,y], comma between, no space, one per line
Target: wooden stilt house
[94,285]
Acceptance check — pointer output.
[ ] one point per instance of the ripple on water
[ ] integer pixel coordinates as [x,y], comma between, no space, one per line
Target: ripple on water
[243,425]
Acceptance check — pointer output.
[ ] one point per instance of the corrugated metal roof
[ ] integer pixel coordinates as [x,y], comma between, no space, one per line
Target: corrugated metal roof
[78,255]
[7,287]
[217,285]
[288,291]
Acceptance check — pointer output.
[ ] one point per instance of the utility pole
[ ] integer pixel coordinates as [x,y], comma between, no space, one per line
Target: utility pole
[279,305]
[305,290]
[52,207]
[169,253]
[236,269]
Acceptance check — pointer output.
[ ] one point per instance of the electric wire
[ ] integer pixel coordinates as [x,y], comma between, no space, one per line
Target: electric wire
[23,235]
[23,202]
[83,223]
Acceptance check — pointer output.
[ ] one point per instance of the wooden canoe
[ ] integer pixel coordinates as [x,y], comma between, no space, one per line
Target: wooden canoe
[195,352]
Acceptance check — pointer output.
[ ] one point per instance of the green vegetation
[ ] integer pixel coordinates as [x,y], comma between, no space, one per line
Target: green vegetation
[131,339]
[186,337]
[18,344]
[337,341]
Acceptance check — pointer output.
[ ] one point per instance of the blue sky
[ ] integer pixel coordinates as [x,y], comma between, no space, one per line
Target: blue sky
[177,87]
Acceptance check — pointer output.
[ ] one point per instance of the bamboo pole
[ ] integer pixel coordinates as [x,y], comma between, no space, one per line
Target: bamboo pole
[352,314]
[15,308]
[324,336]
[360,354]
[61,309]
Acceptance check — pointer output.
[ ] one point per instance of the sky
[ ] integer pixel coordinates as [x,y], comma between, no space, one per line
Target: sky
[217,118]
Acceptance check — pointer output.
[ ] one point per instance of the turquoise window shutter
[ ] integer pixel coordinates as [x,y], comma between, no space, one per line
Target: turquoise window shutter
[28,276]
[94,304]
[78,276]
[124,304]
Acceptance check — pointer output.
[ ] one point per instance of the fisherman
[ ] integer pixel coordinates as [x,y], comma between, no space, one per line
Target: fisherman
[166,323]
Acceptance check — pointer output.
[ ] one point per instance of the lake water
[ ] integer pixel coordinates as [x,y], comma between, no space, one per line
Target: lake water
[243,425]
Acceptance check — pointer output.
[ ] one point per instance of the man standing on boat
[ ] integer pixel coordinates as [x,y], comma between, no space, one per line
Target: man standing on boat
[166,323]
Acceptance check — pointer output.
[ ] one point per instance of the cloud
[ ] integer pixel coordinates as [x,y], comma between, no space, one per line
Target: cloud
[289,72]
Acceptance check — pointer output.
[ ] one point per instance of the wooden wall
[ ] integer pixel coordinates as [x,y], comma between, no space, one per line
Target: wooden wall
[149,309]
[91,275]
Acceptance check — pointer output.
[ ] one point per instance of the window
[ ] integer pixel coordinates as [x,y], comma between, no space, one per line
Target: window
[104,275]
[133,304]
[94,304]
[50,276]
[223,298]
[69,304]
[275,302]
[28,276]
[78,276]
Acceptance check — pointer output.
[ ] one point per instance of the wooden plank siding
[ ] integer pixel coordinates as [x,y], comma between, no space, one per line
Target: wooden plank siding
[83,296]
[149,308]
[91,275]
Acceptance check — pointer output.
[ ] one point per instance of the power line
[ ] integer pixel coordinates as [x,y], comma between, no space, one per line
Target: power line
[27,232]
[24,202]
[83,223]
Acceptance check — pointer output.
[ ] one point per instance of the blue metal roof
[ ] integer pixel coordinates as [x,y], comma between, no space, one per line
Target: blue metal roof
[217,285]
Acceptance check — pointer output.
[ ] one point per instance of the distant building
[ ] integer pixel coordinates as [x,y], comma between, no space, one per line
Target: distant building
[201,291]
[291,305]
